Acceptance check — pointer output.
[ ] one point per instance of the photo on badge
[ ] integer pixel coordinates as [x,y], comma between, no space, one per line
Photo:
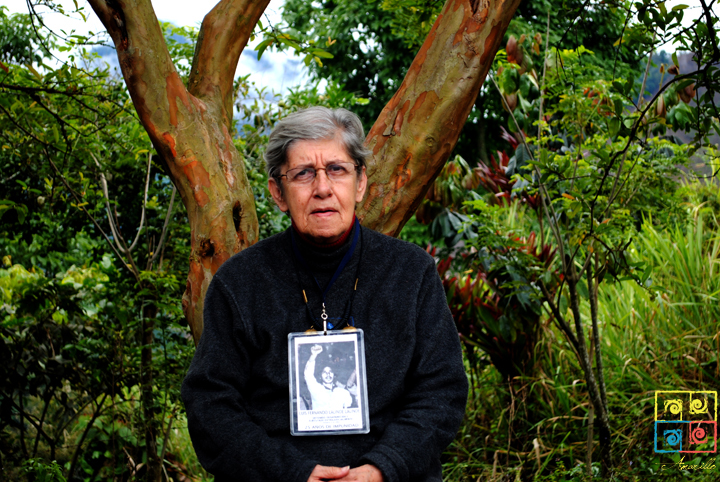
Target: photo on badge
[328,391]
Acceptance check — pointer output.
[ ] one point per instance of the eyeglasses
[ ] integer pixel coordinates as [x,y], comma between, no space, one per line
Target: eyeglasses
[336,172]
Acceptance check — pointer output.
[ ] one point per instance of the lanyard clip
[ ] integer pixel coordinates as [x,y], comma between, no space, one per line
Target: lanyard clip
[324,317]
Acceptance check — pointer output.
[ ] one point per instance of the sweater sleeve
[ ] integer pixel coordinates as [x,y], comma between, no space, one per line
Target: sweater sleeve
[227,441]
[433,406]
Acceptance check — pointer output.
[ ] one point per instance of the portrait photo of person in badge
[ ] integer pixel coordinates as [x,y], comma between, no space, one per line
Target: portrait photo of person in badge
[329,375]
[330,275]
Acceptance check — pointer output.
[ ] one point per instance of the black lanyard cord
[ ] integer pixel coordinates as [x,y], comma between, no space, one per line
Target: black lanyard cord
[321,324]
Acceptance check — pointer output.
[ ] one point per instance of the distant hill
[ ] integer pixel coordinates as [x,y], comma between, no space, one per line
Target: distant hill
[652,86]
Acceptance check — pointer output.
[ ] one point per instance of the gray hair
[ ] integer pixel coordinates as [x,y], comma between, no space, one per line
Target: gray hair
[313,124]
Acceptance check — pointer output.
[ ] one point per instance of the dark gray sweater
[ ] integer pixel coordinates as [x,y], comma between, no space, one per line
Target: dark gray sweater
[236,391]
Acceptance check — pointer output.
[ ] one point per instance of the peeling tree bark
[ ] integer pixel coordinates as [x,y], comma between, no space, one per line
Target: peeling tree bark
[418,129]
[190,127]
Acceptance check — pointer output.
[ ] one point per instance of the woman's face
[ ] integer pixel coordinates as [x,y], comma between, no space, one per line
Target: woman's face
[323,209]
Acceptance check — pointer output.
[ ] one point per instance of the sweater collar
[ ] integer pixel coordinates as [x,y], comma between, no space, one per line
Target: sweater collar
[323,259]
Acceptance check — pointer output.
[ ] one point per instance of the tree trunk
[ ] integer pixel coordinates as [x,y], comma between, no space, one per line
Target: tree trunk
[190,127]
[586,365]
[418,129]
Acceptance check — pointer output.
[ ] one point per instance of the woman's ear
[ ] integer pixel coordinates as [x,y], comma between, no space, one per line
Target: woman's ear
[361,186]
[277,195]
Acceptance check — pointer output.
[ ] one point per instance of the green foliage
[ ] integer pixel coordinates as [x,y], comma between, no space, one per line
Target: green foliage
[493,304]
[606,176]
[311,50]
[73,315]
[702,196]
[375,42]
[43,472]
[497,301]
[368,60]
[661,337]
[598,32]
[68,347]
[602,173]
[19,40]
[415,232]
[442,209]
[58,127]
[411,20]
[598,181]
[180,42]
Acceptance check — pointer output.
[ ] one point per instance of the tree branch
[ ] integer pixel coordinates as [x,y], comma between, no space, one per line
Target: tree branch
[36,425]
[192,136]
[94,221]
[593,285]
[142,213]
[641,96]
[559,318]
[418,129]
[150,76]
[110,215]
[46,399]
[89,425]
[551,214]
[590,379]
[708,18]
[159,247]
[71,94]
[223,36]
[584,359]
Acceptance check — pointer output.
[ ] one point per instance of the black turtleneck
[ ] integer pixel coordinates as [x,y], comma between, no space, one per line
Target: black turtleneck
[236,391]
[323,261]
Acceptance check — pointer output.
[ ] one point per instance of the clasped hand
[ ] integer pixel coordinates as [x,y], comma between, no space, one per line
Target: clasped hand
[364,473]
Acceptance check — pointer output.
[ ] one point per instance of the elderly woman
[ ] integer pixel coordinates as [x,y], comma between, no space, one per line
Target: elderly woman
[236,391]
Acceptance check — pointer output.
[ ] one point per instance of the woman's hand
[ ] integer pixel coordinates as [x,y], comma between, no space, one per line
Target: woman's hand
[364,473]
[321,472]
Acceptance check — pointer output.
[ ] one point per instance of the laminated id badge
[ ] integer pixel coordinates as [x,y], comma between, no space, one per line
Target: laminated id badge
[328,390]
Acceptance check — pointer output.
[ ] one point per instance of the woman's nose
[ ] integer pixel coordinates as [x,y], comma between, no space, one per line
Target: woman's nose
[322,183]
